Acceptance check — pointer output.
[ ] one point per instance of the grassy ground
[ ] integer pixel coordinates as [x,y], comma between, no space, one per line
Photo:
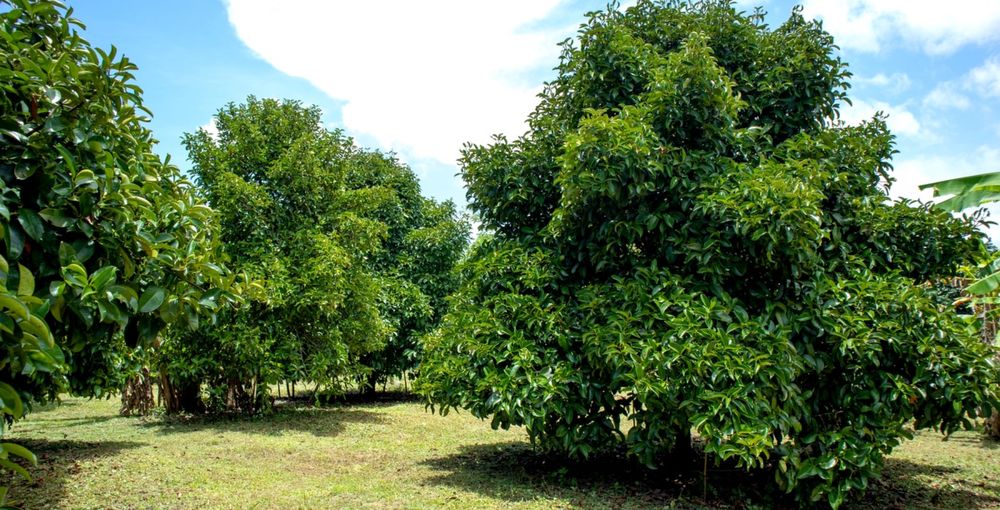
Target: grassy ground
[393,454]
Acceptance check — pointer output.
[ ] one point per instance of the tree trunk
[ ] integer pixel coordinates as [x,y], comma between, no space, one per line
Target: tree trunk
[137,395]
[168,396]
[239,399]
[180,397]
[992,425]
[370,381]
[190,398]
[683,449]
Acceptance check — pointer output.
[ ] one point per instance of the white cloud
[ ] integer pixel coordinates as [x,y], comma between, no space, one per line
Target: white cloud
[911,172]
[211,128]
[900,120]
[895,82]
[421,78]
[986,78]
[750,5]
[937,28]
[946,96]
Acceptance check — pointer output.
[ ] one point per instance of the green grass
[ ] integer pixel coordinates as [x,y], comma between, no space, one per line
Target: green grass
[396,455]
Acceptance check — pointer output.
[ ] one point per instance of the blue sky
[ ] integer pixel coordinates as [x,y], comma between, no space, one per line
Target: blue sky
[422,78]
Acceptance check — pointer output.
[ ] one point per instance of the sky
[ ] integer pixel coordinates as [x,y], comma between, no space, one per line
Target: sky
[420,79]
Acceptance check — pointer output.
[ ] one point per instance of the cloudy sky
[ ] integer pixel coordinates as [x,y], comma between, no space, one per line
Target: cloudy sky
[422,78]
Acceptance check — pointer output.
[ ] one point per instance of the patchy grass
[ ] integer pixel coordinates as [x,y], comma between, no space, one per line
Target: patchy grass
[393,454]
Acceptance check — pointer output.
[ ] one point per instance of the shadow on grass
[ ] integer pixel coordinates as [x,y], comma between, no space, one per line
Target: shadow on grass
[319,421]
[379,397]
[349,399]
[72,421]
[515,472]
[39,409]
[910,485]
[977,440]
[58,462]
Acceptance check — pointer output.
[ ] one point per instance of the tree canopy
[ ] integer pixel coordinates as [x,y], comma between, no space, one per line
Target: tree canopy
[353,259]
[104,242]
[687,238]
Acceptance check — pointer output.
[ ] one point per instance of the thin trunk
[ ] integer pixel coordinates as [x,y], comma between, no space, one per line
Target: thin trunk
[168,395]
[683,449]
[137,395]
[370,381]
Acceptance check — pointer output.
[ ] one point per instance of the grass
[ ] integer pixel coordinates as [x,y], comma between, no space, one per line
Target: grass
[393,454]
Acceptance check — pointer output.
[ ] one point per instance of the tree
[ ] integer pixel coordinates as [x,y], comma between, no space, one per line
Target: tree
[104,243]
[686,238]
[340,237]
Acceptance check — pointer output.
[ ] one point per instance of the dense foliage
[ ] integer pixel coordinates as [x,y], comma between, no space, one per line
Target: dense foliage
[686,238]
[417,271]
[353,260]
[104,243]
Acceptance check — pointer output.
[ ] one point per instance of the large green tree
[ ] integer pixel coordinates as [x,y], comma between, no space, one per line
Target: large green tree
[686,238]
[104,243]
[342,240]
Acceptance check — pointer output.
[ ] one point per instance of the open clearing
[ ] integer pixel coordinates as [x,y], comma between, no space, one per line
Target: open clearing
[394,454]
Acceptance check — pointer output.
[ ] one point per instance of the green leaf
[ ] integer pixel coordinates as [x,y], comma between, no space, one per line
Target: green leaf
[969,191]
[14,306]
[56,217]
[828,463]
[53,94]
[15,468]
[37,327]
[985,285]
[102,277]
[67,255]
[75,275]
[67,158]
[110,312]
[151,299]
[192,318]
[31,223]
[85,178]
[12,404]
[126,295]
[962,184]
[15,241]
[20,451]
[835,497]
[26,282]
